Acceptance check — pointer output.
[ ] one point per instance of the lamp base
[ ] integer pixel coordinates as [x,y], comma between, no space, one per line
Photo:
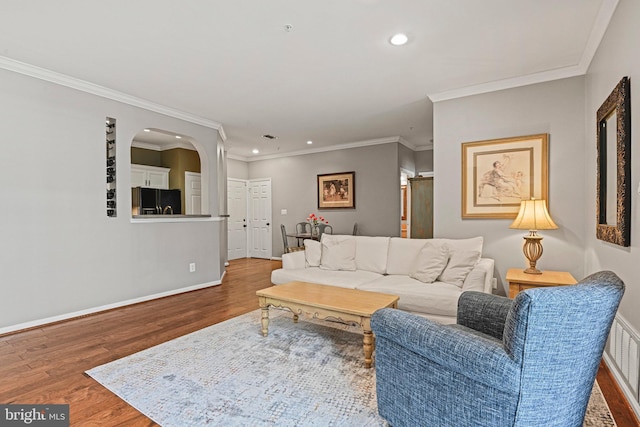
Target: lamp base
[532,249]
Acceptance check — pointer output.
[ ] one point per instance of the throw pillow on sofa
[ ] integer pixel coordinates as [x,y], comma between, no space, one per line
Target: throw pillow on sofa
[338,252]
[431,260]
[459,266]
[312,252]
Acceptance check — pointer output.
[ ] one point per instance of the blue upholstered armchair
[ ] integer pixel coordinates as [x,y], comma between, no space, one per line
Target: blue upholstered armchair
[531,361]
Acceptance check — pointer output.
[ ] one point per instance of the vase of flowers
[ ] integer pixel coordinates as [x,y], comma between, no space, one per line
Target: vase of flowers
[316,222]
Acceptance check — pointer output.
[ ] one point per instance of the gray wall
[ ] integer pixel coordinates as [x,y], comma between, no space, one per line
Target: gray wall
[556,108]
[60,253]
[237,169]
[406,158]
[616,57]
[294,186]
[424,161]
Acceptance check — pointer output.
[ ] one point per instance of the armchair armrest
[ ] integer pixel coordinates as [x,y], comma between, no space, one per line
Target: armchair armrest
[479,358]
[293,260]
[483,312]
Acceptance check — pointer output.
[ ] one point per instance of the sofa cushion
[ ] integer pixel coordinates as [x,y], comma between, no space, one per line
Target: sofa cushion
[312,252]
[435,299]
[403,254]
[459,266]
[343,279]
[338,252]
[431,260]
[371,253]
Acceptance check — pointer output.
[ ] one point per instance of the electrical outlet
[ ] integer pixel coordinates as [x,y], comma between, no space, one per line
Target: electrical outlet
[192,267]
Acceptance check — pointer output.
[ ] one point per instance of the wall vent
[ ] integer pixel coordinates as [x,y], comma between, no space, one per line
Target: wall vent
[623,350]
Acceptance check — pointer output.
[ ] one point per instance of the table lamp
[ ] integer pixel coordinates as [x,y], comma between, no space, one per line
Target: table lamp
[533,216]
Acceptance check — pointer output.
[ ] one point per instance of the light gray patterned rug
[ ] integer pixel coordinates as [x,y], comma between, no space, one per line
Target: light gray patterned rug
[305,374]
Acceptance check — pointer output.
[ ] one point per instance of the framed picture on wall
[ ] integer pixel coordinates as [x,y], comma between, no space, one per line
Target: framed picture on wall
[337,190]
[498,174]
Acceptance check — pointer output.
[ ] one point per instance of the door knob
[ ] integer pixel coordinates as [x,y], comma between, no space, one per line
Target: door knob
[268,224]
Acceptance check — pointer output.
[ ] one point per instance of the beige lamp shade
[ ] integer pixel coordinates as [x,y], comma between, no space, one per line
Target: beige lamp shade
[533,215]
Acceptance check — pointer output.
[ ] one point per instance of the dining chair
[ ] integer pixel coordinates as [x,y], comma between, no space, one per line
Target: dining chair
[285,243]
[303,228]
[320,229]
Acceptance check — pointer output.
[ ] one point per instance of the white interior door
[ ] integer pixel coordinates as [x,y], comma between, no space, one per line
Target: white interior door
[192,193]
[237,221]
[260,218]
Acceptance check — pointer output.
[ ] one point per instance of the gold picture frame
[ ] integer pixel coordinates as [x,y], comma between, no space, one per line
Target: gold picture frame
[497,174]
[337,191]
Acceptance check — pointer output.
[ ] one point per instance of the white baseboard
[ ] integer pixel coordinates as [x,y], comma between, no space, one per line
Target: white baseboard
[93,310]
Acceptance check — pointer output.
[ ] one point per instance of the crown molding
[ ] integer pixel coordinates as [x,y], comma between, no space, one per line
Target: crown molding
[412,147]
[237,157]
[358,144]
[104,92]
[607,9]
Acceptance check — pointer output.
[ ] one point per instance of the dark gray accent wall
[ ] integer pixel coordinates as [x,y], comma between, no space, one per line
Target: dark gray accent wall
[294,188]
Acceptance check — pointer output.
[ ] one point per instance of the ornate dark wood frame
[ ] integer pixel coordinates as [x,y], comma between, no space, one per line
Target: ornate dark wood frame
[619,101]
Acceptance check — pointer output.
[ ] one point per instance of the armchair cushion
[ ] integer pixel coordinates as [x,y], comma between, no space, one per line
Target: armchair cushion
[483,312]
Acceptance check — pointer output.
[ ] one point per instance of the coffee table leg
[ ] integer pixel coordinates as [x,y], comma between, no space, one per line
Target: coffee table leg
[295,318]
[368,348]
[265,321]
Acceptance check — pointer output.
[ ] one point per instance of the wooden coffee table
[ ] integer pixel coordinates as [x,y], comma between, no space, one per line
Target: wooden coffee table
[323,302]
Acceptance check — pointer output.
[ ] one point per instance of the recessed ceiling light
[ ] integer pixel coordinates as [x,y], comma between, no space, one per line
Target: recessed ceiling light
[399,39]
[255,151]
[147,130]
[309,142]
[178,137]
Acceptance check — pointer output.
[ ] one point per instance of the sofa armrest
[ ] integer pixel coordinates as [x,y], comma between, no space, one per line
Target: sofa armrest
[481,277]
[484,313]
[294,260]
[477,357]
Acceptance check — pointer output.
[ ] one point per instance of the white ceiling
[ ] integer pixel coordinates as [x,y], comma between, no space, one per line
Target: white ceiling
[333,78]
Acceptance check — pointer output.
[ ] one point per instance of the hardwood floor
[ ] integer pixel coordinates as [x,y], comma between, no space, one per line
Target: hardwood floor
[47,364]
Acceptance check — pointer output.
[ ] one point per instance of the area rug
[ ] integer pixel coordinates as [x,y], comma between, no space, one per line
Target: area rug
[309,373]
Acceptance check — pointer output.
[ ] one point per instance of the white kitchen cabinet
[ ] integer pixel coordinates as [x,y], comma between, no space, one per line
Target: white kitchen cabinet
[149,176]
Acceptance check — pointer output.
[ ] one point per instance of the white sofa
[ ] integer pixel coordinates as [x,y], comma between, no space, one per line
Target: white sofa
[428,275]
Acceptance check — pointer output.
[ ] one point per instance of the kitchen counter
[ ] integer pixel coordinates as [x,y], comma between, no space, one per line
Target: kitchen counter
[169,216]
[153,218]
